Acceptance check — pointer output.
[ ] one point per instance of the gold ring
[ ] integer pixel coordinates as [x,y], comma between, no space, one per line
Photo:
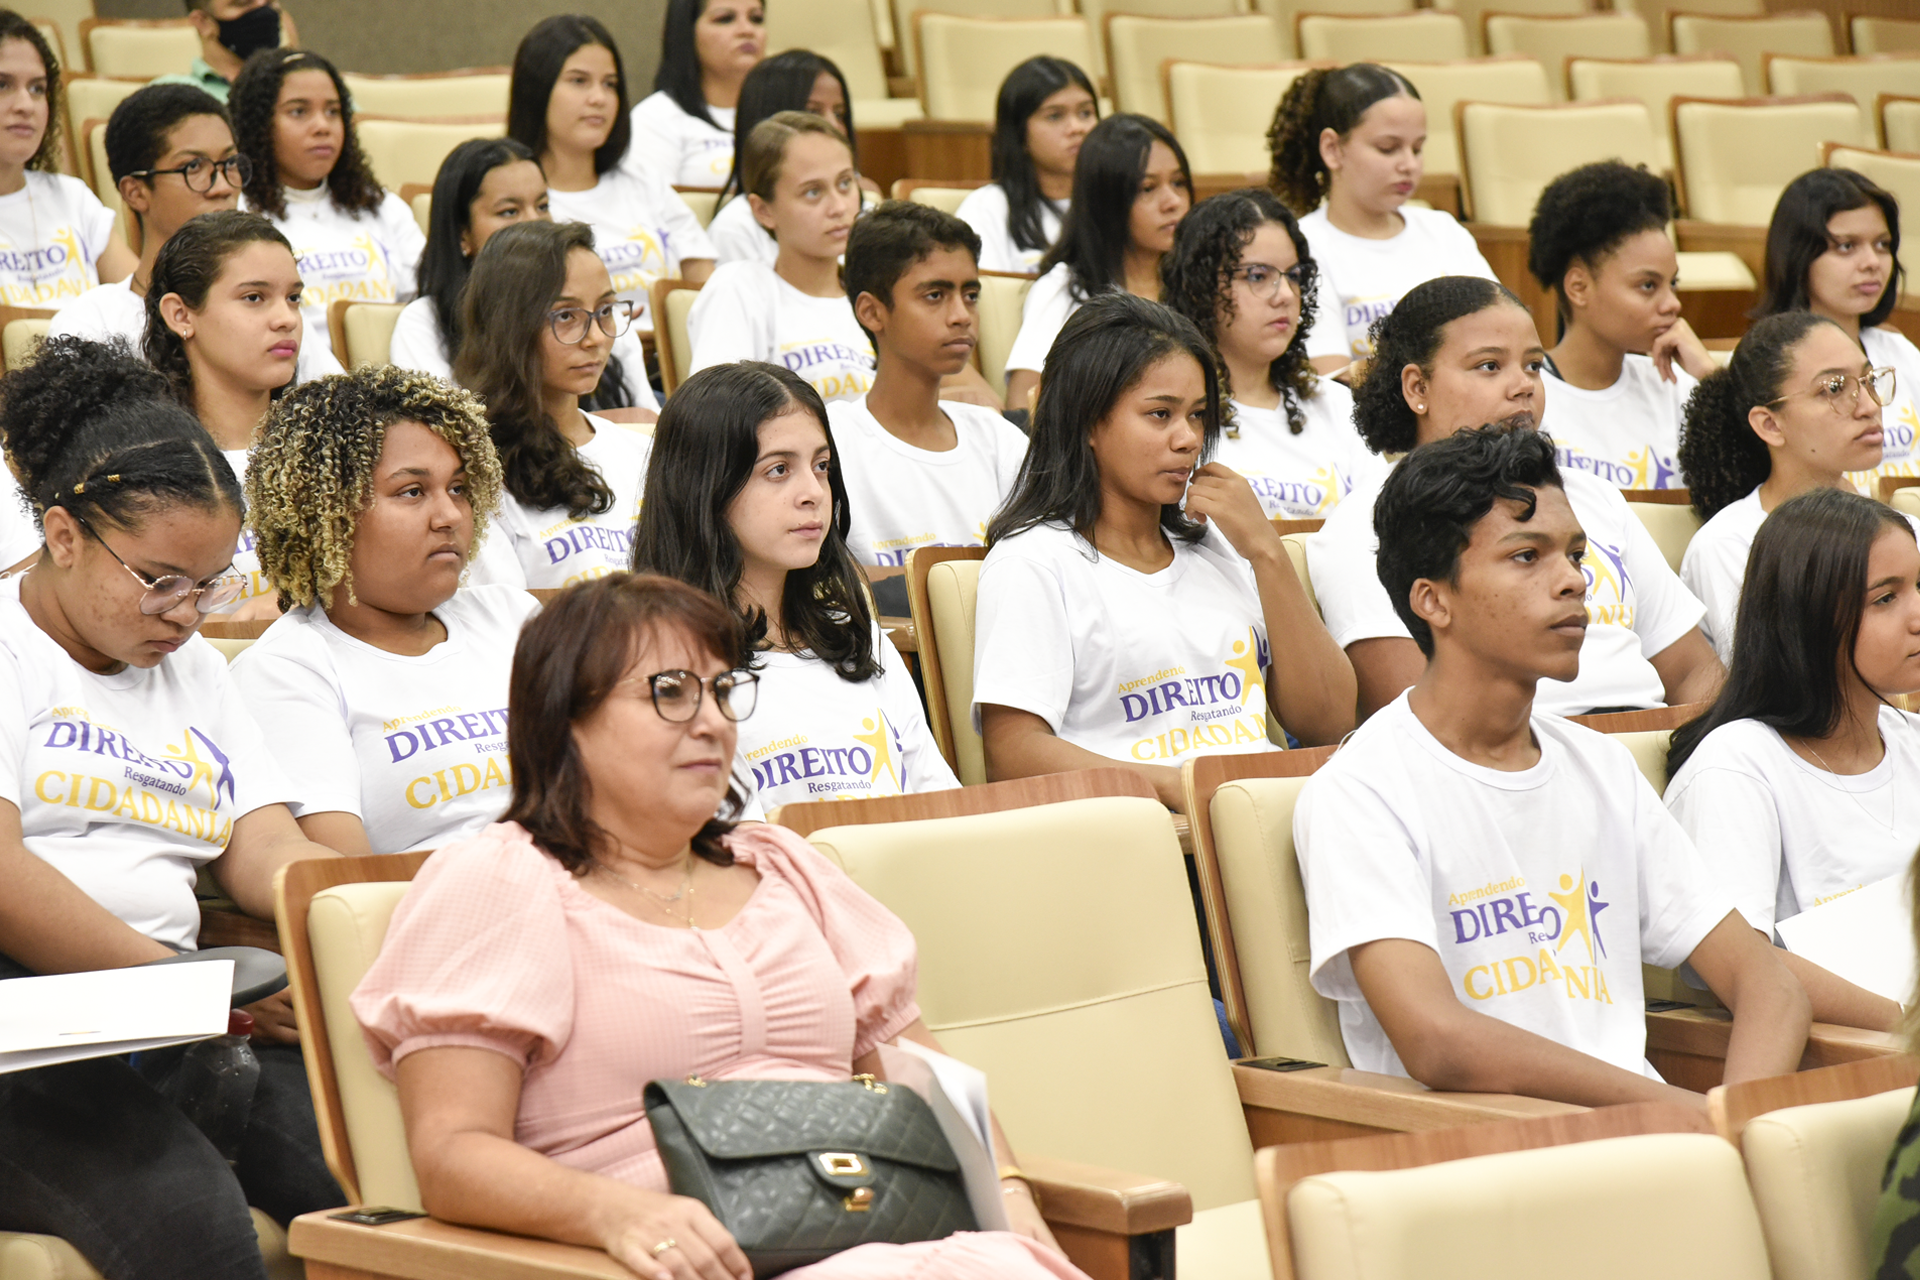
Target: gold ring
[664,1245]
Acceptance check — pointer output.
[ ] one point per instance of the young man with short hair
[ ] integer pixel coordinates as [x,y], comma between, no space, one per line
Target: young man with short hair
[1483,882]
[920,471]
[229,31]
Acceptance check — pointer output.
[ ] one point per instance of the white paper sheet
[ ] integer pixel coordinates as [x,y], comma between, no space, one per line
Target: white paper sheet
[1865,937]
[964,1085]
[70,1016]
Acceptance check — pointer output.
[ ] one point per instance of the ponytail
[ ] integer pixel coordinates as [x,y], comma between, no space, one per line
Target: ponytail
[187,265]
[1721,457]
[1322,99]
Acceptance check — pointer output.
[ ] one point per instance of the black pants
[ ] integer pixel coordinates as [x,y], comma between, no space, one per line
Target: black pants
[90,1152]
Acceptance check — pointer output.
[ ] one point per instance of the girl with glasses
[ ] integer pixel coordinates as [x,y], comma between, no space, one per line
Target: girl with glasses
[745,500]
[293,119]
[1241,271]
[1799,407]
[224,328]
[538,323]
[132,764]
[386,680]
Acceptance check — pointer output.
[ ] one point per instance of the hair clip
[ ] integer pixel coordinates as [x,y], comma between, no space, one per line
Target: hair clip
[82,486]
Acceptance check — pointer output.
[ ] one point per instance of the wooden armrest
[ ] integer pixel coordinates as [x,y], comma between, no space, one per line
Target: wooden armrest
[1332,1102]
[222,924]
[1704,1033]
[1127,1204]
[423,1249]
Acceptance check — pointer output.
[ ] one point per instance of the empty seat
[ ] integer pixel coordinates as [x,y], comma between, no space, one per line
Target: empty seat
[1137,49]
[1886,35]
[1286,10]
[842,30]
[1735,158]
[1474,13]
[138,48]
[1862,79]
[965,59]
[1672,525]
[1515,78]
[404,151]
[935,193]
[1425,36]
[1221,114]
[1657,82]
[1900,124]
[65,16]
[907,45]
[93,98]
[1749,40]
[1510,153]
[1656,12]
[1553,40]
[476,91]
[1097,12]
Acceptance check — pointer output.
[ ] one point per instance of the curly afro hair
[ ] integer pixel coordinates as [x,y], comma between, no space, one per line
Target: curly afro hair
[1411,334]
[1721,457]
[1587,213]
[1196,278]
[310,473]
[251,101]
[1324,98]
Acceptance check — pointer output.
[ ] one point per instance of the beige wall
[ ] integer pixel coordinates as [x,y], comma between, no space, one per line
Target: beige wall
[379,36]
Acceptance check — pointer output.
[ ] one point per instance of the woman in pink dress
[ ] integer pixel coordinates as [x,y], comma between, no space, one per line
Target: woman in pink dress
[613,930]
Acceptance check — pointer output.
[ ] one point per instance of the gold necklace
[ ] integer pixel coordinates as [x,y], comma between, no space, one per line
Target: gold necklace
[663,901]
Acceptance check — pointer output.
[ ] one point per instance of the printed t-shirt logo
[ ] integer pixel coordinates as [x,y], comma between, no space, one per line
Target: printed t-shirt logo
[417,736]
[635,261]
[1299,499]
[1360,315]
[894,551]
[1609,585]
[874,754]
[1495,910]
[189,788]
[601,547]
[42,276]
[1898,429]
[357,272]
[1197,713]
[1641,469]
[836,370]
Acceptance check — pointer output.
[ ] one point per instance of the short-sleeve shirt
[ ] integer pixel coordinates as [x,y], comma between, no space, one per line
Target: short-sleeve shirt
[1303,476]
[1541,890]
[641,230]
[1049,304]
[1715,566]
[681,150]
[52,233]
[988,212]
[362,256]
[1627,434]
[1362,280]
[1782,835]
[902,496]
[1146,668]
[1636,605]
[126,783]
[413,746]
[1900,418]
[738,237]
[113,311]
[745,311]
[528,547]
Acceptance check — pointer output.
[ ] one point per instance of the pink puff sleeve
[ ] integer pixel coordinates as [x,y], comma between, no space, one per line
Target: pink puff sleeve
[873,946]
[476,956]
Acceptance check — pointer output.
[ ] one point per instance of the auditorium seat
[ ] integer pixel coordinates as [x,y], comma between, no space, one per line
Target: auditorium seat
[22,329]
[1003,298]
[26,1256]
[943,587]
[1735,158]
[92,98]
[1097,13]
[944,194]
[1221,114]
[1885,35]
[671,300]
[65,17]
[365,329]
[1285,11]
[139,48]
[92,142]
[1900,123]
[1510,152]
[1137,49]
[1750,39]
[1553,39]
[431,95]
[1296,545]
[1512,78]
[1425,35]
[1474,13]
[963,60]
[1656,82]
[839,30]
[410,151]
[1672,525]
[704,201]
[907,44]
[422,205]
[1862,79]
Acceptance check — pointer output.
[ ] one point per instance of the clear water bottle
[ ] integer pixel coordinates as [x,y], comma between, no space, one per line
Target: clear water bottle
[215,1082]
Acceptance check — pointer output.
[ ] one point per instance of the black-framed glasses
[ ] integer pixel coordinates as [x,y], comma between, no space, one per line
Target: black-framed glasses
[1264,281]
[570,324]
[169,589]
[198,173]
[677,694]
[1840,392]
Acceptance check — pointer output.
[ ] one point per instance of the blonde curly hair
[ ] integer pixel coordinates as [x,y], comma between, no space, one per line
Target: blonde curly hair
[310,471]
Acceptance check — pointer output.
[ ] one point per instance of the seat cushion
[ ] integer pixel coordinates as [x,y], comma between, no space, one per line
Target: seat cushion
[1227,1243]
[1815,1173]
[24,1256]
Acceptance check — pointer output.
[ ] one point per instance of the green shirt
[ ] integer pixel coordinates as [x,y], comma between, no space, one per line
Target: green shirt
[1896,1225]
[203,76]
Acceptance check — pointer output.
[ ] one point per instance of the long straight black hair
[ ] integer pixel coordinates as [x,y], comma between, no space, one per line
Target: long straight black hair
[783,82]
[1797,234]
[678,75]
[1798,618]
[536,69]
[1022,93]
[704,448]
[1102,352]
[1106,178]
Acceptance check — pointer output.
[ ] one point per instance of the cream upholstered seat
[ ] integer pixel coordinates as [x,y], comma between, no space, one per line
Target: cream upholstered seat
[475,91]
[934,195]
[1553,39]
[1221,114]
[1513,78]
[1096,960]
[703,202]
[1658,14]
[1424,35]
[422,206]
[1296,545]
[1750,39]
[1899,174]
[1509,153]
[368,331]
[963,60]
[1862,79]
[672,301]
[1003,300]
[410,151]
[25,1256]
[140,48]
[906,43]
[1138,47]
[1886,35]
[1900,124]
[93,143]
[1671,525]
[1285,10]
[1656,82]
[1474,13]
[1097,13]
[1735,158]
[837,30]
[22,335]
[1650,753]
[943,590]
[93,98]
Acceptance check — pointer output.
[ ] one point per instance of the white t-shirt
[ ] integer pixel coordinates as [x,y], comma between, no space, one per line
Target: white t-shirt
[641,230]
[532,548]
[1781,835]
[987,211]
[246,556]
[112,311]
[1636,605]
[679,149]
[126,783]
[417,345]
[1715,566]
[814,736]
[1362,280]
[738,238]
[19,530]
[745,311]
[1900,420]
[1144,668]
[903,496]
[1541,891]
[415,747]
[1049,302]
[1299,477]
[52,233]
[1628,434]
[367,257]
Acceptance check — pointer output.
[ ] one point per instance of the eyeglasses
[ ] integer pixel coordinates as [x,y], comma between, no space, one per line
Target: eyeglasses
[169,589]
[198,174]
[1264,281]
[677,694]
[570,324]
[1840,392]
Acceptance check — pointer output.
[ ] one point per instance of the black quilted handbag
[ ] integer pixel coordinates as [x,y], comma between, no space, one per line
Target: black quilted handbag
[797,1171]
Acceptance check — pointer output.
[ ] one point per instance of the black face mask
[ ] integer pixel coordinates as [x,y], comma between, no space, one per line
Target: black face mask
[252,31]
